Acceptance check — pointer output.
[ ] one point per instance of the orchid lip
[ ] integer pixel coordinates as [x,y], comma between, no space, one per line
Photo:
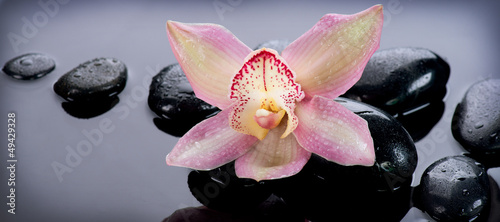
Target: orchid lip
[265,83]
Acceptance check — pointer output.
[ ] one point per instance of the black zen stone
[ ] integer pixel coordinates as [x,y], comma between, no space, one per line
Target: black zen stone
[454,189]
[476,121]
[95,80]
[220,189]
[323,190]
[172,98]
[29,66]
[400,79]
[396,155]
[278,45]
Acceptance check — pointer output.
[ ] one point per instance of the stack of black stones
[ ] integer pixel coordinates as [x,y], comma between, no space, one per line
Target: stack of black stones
[400,95]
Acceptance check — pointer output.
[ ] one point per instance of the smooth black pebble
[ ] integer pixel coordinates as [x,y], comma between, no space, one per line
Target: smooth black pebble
[323,190]
[454,188]
[220,189]
[172,98]
[395,151]
[402,81]
[476,121]
[29,66]
[278,45]
[95,80]
[399,79]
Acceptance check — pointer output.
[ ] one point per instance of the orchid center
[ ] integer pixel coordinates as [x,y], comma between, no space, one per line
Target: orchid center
[269,115]
[264,90]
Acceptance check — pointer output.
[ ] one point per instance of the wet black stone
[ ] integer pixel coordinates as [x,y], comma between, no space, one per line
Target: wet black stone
[278,45]
[476,121]
[454,189]
[401,79]
[29,66]
[95,80]
[222,190]
[172,98]
[323,189]
[396,155]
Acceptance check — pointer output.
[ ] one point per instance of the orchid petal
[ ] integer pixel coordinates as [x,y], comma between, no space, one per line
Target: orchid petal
[331,56]
[273,157]
[209,144]
[210,55]
[332,131]
[264,82]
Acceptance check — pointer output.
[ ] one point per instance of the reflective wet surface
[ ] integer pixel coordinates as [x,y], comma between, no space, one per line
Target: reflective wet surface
[111,167]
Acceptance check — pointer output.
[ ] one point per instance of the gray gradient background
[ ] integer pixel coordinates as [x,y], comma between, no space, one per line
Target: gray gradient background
[124,177]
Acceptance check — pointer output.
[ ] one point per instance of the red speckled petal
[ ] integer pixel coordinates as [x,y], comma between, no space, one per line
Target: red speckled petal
[334,132]
[210,144]
[273,157]
[264,78]
[330,57]
[210,55]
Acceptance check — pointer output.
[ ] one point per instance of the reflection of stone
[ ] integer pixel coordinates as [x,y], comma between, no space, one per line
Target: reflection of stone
[174,127]
[90,109]
[420,122]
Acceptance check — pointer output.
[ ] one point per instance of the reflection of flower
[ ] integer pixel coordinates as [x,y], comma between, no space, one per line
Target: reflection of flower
[256,89]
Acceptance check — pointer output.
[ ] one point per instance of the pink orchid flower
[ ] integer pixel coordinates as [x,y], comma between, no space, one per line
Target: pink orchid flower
[276,109]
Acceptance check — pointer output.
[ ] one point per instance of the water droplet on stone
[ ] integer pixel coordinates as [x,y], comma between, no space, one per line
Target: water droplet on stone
[465,192]
[26,62]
